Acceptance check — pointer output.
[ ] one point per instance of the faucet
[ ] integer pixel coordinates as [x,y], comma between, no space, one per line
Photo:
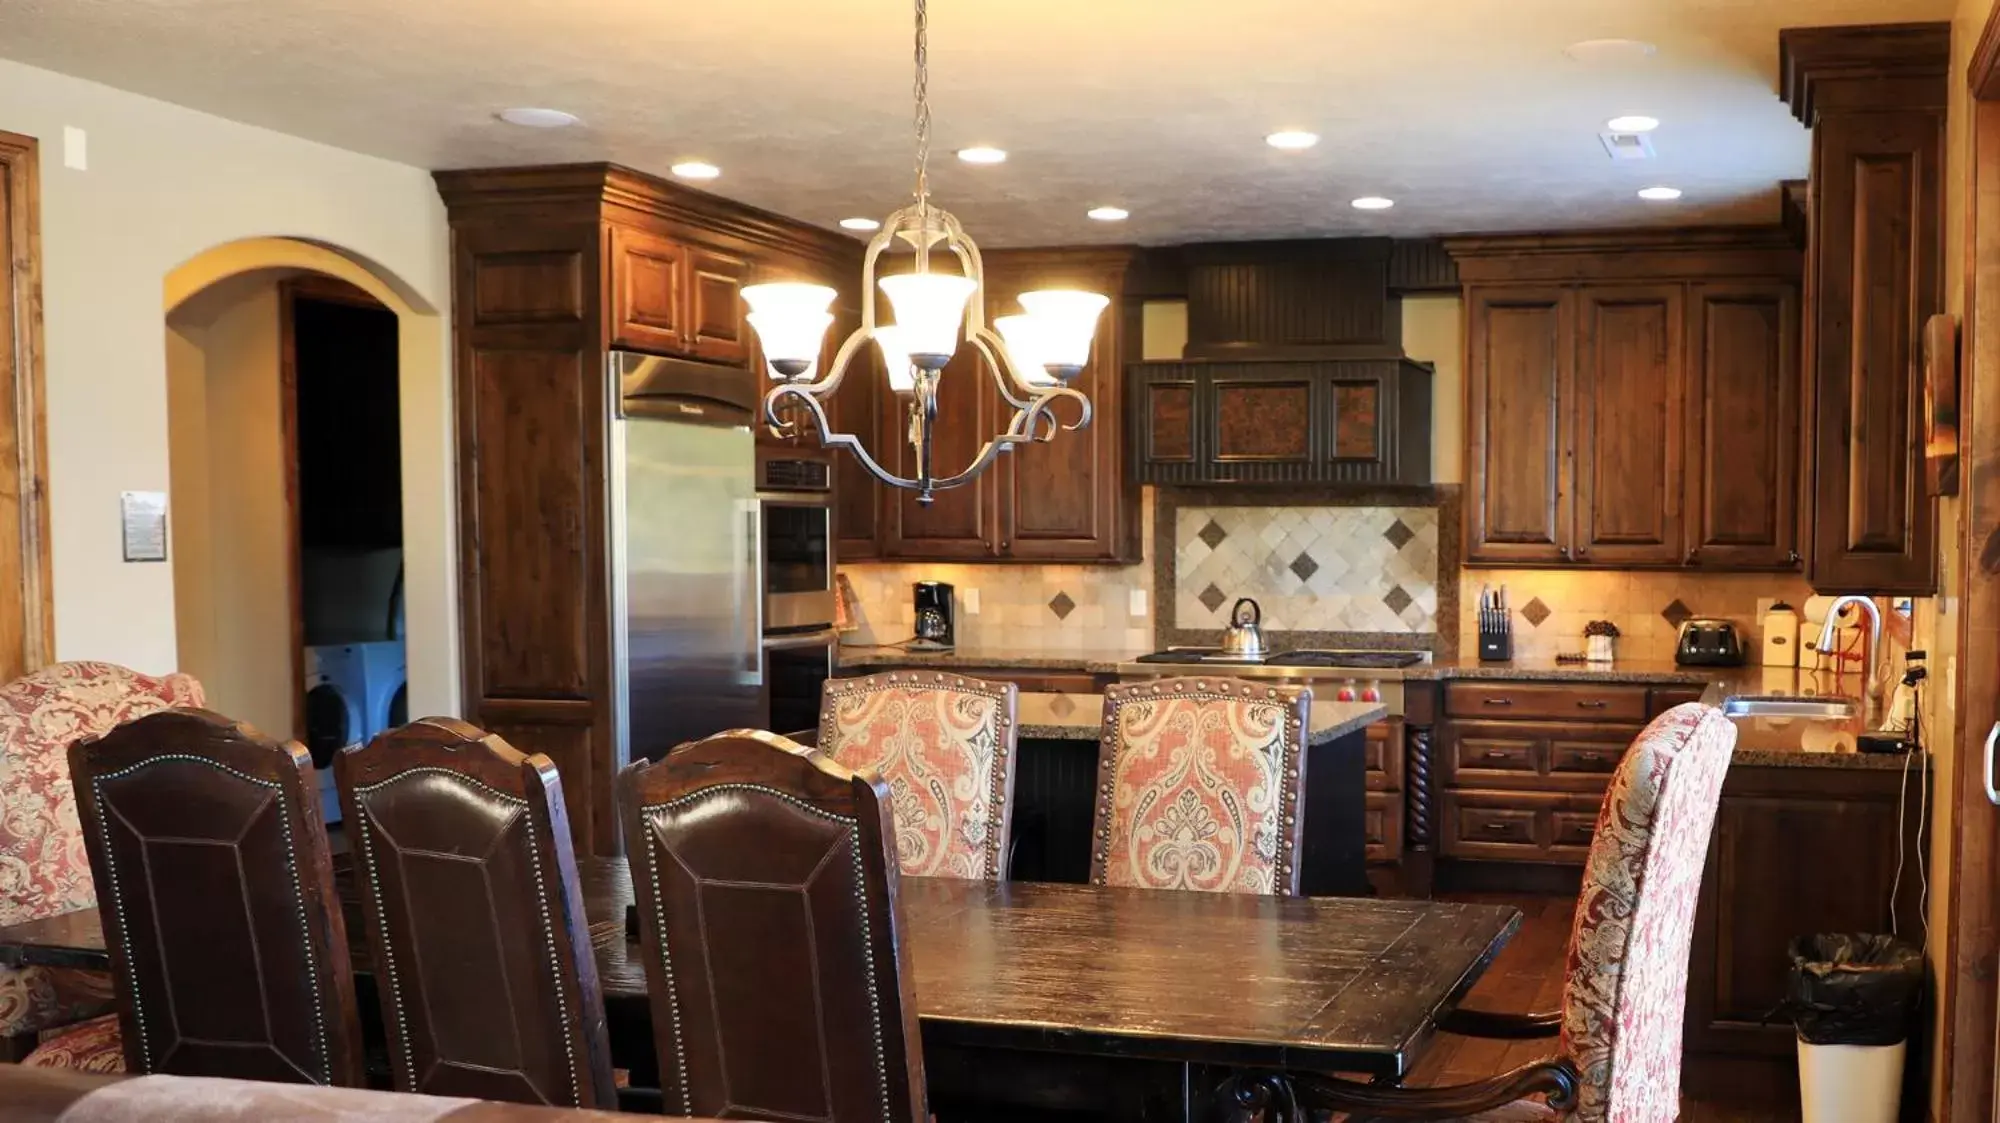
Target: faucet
[1872,701]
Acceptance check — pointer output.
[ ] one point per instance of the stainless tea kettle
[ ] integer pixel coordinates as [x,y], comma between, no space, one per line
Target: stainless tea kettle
[1245,637]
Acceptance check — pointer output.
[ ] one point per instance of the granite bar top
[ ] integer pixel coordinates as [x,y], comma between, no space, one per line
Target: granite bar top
[1638,671]
[1088,660]
[1078,717]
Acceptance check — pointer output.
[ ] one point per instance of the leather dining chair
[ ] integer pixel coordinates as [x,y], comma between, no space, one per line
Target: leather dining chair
[216,891]
[945,745]
[1198,783]
[41,714]
[1625,996]
[475,918]
[765,875]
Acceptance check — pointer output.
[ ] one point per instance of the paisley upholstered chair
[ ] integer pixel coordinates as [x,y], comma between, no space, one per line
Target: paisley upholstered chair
[1626,992]
[1198,783]
[944,743]
[43,869]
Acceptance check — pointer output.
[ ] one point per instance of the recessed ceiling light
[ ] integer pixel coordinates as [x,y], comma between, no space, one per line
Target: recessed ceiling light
[532,118]
[981,154]
[1609,52]
[1633,124]
[1292,140]
[1109,214]
[1373,203]
[859,224]
[1659,194]
[695,169]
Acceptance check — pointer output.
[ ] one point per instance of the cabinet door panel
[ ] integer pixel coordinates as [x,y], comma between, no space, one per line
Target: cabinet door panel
[717,330]
[1263,419]
[1169,427]
[649,302]
[960,524]
[1874,270]
[1743,433]
[1629,392]
[1517,389]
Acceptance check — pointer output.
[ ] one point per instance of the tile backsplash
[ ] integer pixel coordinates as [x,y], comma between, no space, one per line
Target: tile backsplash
[1551,606]
[1310,569]
[1029,609]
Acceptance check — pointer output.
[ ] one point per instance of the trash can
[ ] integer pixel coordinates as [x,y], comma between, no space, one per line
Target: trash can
[1852,998]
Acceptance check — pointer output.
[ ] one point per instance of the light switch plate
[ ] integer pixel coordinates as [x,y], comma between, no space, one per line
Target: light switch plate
[971,598]
[76,152]
[1138,605]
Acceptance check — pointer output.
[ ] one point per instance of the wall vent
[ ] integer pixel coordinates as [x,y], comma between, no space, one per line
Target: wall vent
[1627,146]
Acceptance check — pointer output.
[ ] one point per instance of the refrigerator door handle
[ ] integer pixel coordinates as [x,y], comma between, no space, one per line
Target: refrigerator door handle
[754,568]
[1986,767]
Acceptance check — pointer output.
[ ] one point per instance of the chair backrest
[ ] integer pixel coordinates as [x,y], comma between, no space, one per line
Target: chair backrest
[475,918]
[217,896]
[1626,992]
[41,715]
[945,744]
[1198,783]
[766,882]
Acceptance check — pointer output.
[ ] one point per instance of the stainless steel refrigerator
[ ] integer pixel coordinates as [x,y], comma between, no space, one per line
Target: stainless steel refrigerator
[686,595]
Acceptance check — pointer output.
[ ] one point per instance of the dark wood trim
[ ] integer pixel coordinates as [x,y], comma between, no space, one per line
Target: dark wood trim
[1971,936]
[1882,66]
[1795,210]
[1704,253]
[24,418]
[1496,1025]
[289,293]
[333,290]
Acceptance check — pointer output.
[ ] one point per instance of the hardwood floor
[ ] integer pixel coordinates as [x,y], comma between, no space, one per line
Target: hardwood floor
[1527,977]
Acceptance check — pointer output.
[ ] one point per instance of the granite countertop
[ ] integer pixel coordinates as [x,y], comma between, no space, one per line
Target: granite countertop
[1089,660]
[1647,672]
[1078,717]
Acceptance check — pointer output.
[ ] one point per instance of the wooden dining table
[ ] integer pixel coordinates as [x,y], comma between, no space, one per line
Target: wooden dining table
[1104,992]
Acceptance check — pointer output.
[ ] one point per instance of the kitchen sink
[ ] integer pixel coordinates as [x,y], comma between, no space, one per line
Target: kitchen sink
[1792,706]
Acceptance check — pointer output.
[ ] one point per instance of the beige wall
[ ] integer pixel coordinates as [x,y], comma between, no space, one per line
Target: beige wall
[232,572]
[164,185]
[1432,333]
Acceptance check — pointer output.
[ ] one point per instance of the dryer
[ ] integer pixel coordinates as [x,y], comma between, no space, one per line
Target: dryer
[353,692]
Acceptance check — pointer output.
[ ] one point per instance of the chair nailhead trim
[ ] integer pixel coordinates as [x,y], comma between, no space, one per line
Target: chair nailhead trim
[652,812]
[291,866]
[541,902]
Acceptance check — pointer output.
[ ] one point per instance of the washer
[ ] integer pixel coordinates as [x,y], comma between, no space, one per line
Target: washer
[354,691]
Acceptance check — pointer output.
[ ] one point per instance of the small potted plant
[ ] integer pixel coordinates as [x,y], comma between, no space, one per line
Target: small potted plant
[1600,639]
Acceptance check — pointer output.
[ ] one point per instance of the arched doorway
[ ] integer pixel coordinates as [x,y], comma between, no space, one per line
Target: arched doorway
[245,600]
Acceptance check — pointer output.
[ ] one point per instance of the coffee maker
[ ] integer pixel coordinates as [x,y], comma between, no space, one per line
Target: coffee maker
[934,616]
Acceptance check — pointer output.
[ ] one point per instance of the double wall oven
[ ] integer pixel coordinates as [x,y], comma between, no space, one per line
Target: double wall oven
[796,568]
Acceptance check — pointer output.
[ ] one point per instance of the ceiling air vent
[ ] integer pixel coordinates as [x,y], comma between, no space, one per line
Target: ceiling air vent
[1627,146]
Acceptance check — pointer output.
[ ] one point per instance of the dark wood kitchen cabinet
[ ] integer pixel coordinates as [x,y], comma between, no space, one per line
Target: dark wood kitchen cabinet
[1067,500]
[1272,421]
[552,268]
[1632,400]
[1874,98]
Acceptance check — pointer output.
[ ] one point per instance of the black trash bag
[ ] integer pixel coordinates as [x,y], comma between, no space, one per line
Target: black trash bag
[1853,989]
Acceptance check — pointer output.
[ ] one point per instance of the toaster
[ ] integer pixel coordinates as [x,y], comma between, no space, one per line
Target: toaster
[1708,643]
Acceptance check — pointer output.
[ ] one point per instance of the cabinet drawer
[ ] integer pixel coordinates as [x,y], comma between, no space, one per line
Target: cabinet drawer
[1574,828]
[1559,701]
[1588,757]
[1382,755]
[1475,753]
[1496,825]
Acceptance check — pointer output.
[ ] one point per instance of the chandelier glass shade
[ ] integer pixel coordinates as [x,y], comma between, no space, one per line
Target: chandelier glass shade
[1031,357]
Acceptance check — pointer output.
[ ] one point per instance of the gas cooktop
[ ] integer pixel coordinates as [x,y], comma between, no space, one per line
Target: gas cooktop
[1212,656]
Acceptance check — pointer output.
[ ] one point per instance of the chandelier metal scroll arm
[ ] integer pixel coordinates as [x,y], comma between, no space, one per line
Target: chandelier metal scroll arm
[1018,432]
[831,439]
[1003,383]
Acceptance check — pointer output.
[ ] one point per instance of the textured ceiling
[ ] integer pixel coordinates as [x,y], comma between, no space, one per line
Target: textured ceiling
[1466,112]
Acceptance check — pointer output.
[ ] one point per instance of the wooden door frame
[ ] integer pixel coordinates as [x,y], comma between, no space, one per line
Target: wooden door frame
[1972,938]
[304,286]
[23,415]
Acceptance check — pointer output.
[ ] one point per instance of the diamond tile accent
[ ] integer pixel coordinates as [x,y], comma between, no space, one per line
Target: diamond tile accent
[1396,598]
[1061,605]
[1061,705]
[1399,534]
[1536,612]
[1676,612]
[1213,534]
[1304,566]
[1212,597]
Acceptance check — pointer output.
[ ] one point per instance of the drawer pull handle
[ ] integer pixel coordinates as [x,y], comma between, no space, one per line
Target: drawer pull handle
[1593,703]
[1499,826]
[1499,701]
[1495,754]
[1591,758]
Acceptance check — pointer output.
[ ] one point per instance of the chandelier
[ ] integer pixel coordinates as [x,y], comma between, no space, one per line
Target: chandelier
[1031,358]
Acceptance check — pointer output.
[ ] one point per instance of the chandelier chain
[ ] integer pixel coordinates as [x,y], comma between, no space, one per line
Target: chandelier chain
[923,96]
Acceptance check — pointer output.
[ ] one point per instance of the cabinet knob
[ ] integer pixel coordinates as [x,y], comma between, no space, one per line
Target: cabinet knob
[1792,557]
[1693,553]
[1004,543]
[1563,553]
[1582,553]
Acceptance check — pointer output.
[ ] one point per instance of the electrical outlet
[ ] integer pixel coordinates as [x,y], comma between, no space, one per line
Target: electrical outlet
[970,597]
[1138,605]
